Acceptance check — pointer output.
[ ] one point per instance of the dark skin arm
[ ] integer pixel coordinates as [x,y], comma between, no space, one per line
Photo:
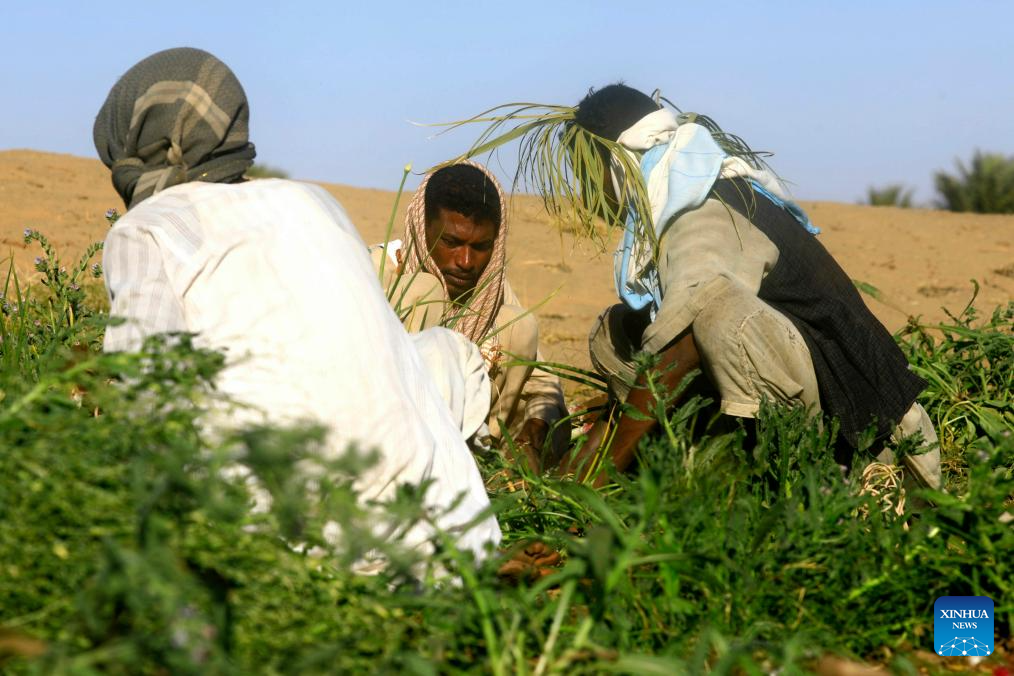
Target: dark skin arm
[541,444]
[677,360]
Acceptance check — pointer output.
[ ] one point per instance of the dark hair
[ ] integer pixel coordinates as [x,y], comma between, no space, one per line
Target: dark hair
[609,111]
[464,189]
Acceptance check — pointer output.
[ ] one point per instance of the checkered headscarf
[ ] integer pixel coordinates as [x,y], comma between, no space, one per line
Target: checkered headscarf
[179,115]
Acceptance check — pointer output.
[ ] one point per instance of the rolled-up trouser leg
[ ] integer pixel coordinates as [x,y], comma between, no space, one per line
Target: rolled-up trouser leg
[751,352]
[925,467]
[612,348]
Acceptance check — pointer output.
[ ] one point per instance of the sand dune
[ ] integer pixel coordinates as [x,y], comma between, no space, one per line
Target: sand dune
[921,260]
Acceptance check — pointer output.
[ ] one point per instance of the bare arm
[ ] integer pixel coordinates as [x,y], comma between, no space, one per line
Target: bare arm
[678,359]
[542,395]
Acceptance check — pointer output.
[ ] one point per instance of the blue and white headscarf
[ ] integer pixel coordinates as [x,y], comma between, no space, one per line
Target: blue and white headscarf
[679,164]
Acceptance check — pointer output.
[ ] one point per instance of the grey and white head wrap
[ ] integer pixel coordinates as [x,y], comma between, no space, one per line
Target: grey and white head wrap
[179,115]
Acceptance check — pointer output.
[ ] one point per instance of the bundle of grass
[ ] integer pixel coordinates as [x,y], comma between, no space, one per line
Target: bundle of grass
[571,167]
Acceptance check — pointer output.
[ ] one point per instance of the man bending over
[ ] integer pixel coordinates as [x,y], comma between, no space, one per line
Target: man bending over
[724,274]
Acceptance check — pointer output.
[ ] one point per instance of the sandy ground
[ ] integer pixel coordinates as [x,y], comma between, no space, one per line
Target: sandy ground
[922,261]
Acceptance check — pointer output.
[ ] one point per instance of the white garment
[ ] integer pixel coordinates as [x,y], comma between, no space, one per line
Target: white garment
[662,126]
[392,249]
[459,372]
[274,273]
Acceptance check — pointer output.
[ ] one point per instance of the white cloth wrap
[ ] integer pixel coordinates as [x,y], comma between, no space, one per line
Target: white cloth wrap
[459,373]
[281,281]
[662,127]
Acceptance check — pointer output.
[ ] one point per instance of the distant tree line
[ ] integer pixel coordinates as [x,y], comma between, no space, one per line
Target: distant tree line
[894,195]
[986,186]
[266,171]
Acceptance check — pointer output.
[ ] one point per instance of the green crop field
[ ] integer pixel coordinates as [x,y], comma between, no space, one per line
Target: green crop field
[126,548]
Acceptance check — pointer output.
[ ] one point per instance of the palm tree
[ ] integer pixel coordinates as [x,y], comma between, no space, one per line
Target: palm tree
[986,187]
[894,195]
[266,171]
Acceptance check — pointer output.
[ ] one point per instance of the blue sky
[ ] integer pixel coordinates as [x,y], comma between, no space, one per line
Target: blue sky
[847,94]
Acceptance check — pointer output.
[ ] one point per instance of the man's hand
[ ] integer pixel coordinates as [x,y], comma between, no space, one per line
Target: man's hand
[530,442]
[529,562]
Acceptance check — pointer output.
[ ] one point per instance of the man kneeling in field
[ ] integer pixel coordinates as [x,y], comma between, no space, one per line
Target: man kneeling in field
[273,273]
[717,269]
[450,269]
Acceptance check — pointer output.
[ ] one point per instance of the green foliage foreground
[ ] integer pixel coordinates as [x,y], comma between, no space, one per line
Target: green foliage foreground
[126,547]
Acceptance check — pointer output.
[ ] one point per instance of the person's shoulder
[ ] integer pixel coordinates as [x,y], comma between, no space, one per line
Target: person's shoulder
[710,218]
[265,190]
[509,297]
[172,203]
[283,187]
[295,196]
[317,194]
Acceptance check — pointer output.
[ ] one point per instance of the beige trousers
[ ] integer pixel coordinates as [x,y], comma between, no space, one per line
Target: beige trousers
[750,353]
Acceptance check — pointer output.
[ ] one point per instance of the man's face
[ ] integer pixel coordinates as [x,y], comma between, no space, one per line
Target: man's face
[461,247]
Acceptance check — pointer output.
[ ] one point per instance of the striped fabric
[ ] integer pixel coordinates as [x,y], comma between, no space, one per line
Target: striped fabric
[139,290]
[475,321]
[179,115]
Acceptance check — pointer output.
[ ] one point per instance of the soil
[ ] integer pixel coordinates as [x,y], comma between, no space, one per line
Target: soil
[921,261]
